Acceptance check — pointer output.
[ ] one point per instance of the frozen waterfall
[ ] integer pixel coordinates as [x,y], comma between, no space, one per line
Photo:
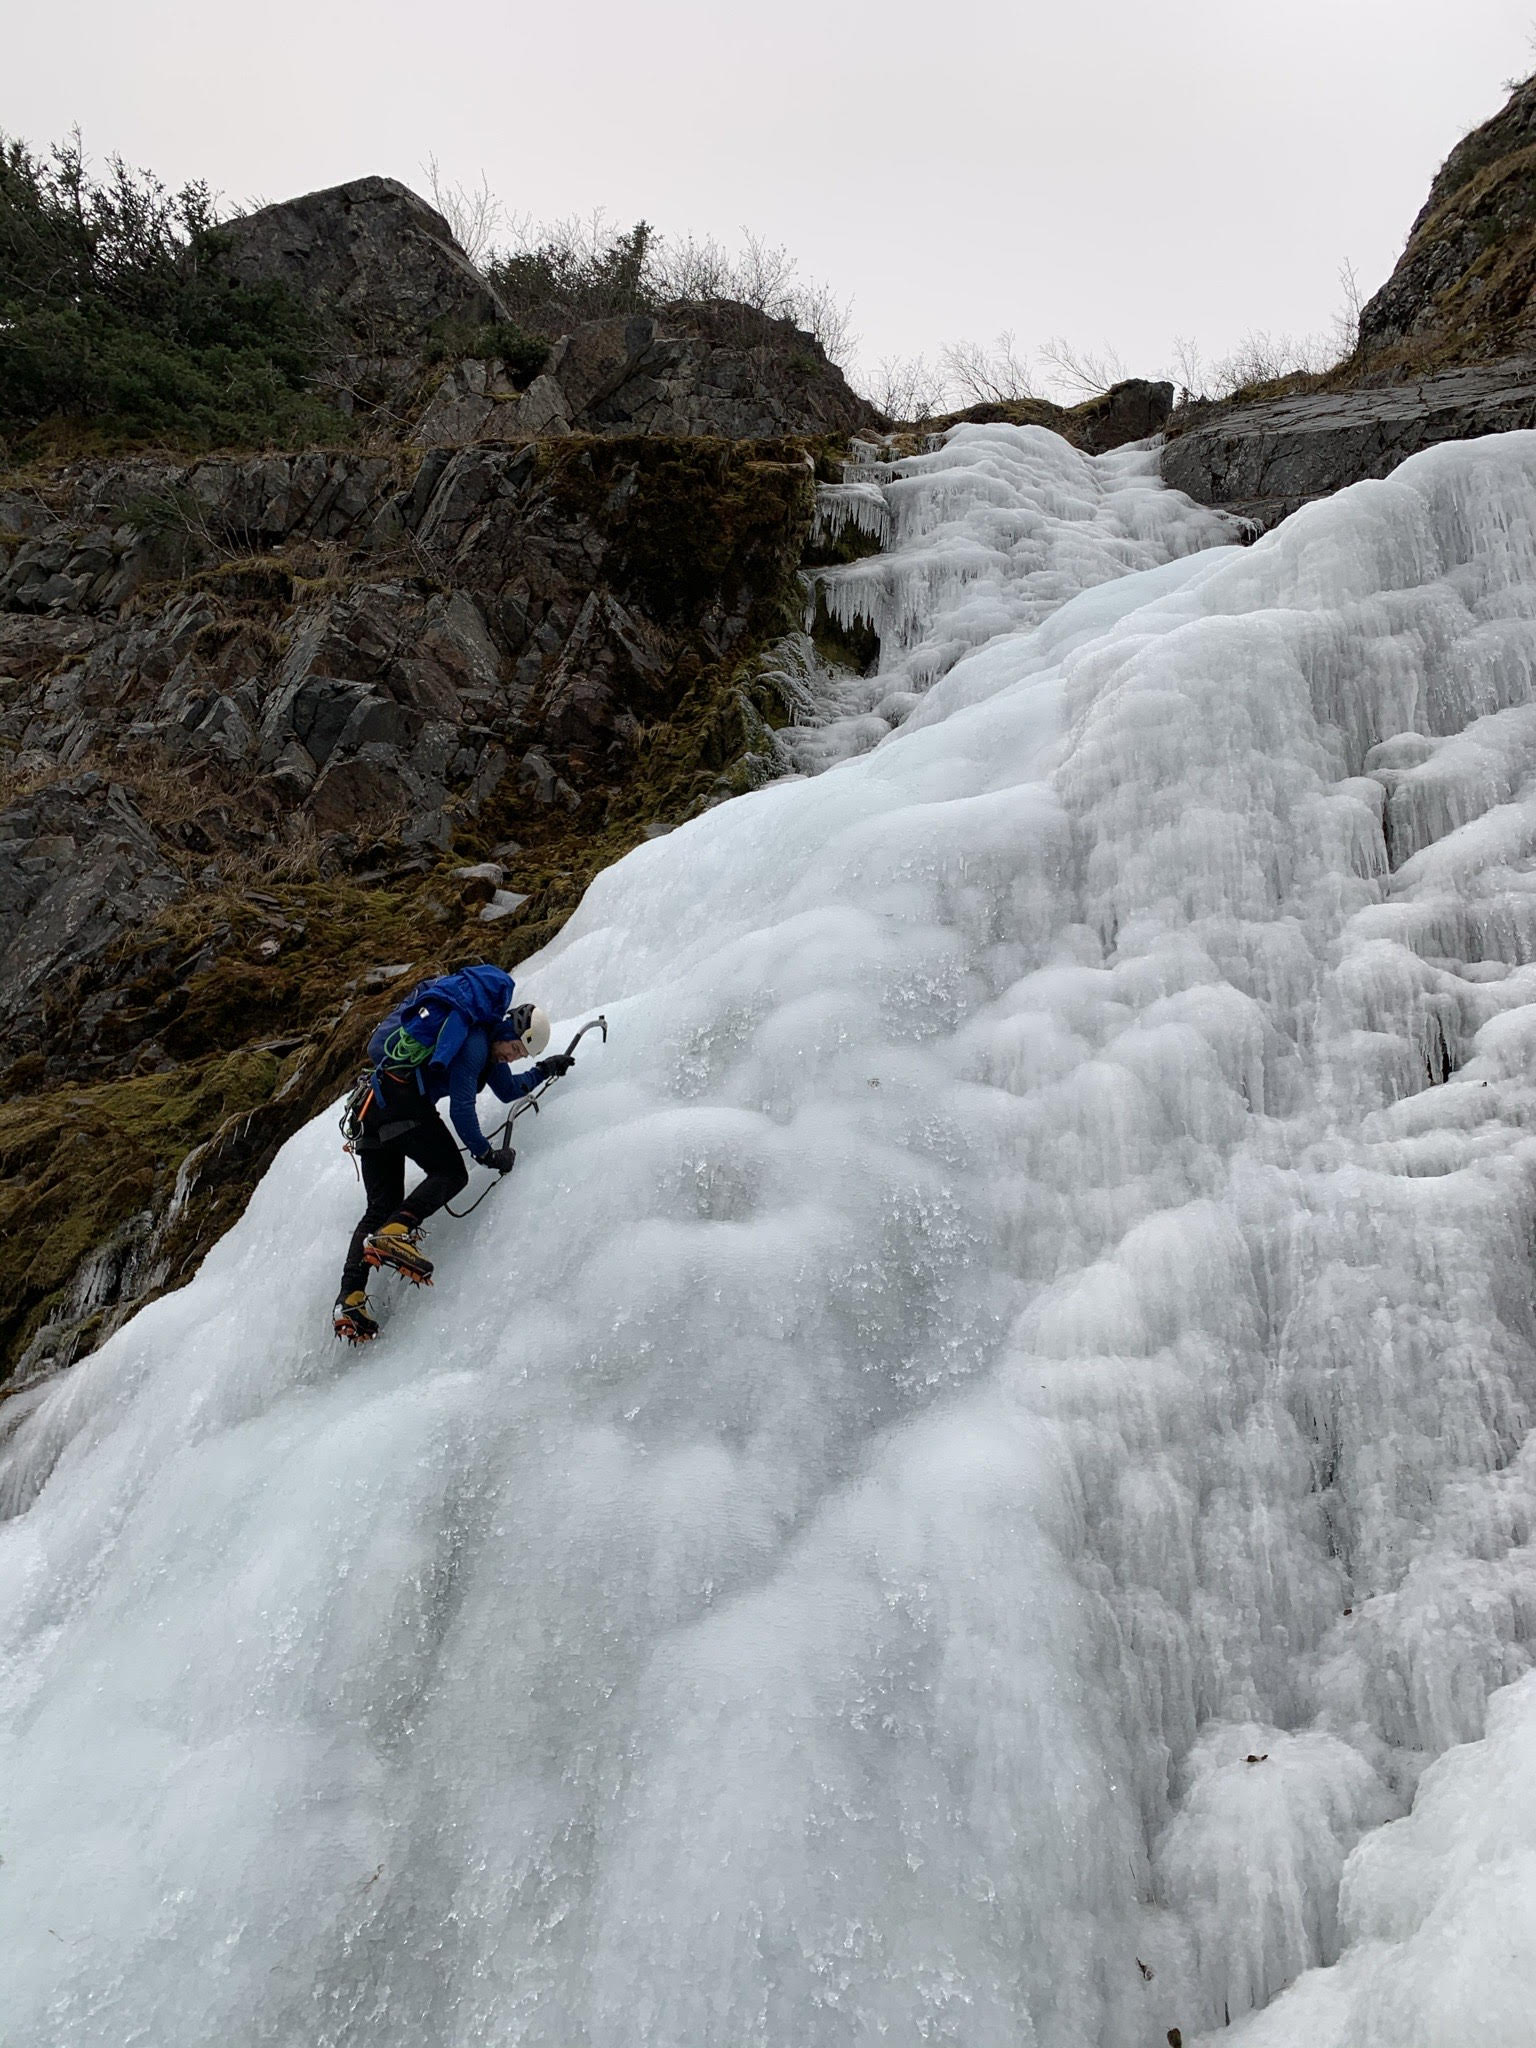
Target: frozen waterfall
[974,1487]
[982,537]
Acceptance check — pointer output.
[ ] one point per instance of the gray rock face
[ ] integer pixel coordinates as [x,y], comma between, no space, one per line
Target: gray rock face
[1263,460]
[372,254]
[1465,282]
[504,623]
[23,514]
[78,867]
[476,401]
[709,369]
[226,780]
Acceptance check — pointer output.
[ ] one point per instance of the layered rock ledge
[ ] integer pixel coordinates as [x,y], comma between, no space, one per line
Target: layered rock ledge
[1264,458]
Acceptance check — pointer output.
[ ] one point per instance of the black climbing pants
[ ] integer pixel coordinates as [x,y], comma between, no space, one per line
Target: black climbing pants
[424,1140]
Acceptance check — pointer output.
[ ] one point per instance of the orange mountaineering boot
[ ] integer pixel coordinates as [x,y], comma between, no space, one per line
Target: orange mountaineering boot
[350,1318]
[394,1245]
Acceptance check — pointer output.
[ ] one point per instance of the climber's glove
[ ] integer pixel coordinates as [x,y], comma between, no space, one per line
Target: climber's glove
[499,1158]
[554,1064]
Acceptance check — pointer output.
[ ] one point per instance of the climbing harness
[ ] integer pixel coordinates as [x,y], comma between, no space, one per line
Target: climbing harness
[354,1109]
[525,1102]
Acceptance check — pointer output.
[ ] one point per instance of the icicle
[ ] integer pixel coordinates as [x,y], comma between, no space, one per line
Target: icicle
[839,506]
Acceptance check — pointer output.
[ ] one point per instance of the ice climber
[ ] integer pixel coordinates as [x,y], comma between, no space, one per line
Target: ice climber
[451,1036]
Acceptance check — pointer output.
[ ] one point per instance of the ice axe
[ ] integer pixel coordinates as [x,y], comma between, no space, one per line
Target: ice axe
[530,1101]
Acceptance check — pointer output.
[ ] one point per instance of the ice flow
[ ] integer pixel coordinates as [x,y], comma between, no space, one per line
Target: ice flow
[982,536]
[981,1458]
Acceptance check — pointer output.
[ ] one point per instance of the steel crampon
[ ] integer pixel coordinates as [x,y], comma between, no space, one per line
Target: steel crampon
[397,1249]
[352,1322]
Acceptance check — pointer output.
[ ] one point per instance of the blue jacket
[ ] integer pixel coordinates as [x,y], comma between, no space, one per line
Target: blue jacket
[471,1069]
[459,1017]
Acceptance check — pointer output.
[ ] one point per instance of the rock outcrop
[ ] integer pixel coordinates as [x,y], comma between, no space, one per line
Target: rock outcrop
[370,254]
[1265,458]
[1132,410]
[702,369]
[79,867]
[498,607]
[400,296]
[1464,288]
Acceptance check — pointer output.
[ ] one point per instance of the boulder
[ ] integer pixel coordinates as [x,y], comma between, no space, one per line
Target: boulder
[1128,411]
[23,513]
[466,405]
[370,253]
[593,359]
[725,369]
[1131,410]
[386,270]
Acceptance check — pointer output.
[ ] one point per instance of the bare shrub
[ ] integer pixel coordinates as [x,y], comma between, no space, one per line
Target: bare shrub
[987,375]
[1259,358]
[907,388]
[1265,358]
[564,272]
[473,212]
[1081,372]
[762,275]
[1189,371]
[695,269]
[1346,321]
[819,310]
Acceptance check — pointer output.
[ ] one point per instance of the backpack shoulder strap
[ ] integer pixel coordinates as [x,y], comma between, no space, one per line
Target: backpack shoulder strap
[454,1030]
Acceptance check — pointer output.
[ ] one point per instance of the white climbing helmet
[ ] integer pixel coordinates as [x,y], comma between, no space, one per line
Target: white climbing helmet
[529,1024]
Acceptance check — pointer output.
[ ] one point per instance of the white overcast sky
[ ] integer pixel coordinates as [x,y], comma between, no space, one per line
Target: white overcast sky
[1120,173]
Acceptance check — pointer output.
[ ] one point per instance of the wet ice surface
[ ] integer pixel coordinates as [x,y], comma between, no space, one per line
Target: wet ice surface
[1030,1311]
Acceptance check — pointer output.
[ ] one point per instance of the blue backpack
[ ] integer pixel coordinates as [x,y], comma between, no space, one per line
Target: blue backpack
[429,1026]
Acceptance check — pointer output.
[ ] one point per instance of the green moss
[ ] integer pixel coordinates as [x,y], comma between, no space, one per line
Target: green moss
[77,1163]
[690,525]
